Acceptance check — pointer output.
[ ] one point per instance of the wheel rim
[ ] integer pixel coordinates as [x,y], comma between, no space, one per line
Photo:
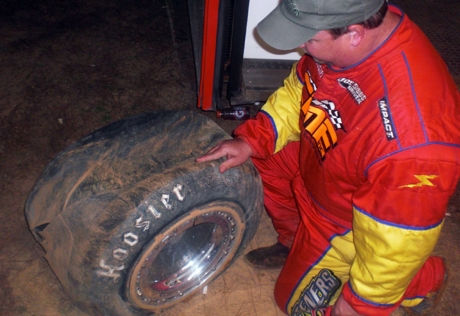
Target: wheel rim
[186,256]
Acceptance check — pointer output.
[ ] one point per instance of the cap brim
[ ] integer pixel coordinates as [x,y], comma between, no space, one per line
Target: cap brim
[281,33]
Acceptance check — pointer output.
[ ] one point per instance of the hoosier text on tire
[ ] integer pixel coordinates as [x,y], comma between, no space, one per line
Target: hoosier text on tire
[131,224]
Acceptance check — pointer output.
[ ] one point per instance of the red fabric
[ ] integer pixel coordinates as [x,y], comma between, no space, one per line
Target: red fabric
[387,143]
[278,174]
[255,128]
[310,245]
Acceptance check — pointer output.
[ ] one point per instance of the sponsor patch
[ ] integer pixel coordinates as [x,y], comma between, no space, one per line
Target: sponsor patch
[424,180]
[353,88]
[386,119]
[320,69]
[317,295]
[334,114]
[318,312]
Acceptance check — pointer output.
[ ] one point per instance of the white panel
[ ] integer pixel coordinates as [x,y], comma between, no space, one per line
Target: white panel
[255,47]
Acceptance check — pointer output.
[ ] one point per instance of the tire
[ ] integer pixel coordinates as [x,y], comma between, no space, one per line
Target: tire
[132,225]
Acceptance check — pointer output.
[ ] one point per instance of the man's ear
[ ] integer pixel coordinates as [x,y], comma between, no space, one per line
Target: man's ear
[356,34]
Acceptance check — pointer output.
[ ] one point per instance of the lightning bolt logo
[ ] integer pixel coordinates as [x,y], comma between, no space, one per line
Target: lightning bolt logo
[424,180]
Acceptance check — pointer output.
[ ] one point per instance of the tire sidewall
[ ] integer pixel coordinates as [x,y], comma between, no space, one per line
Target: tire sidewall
[93,209]
[111,267]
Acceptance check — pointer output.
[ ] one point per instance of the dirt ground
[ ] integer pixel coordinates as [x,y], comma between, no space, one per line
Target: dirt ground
[70,67]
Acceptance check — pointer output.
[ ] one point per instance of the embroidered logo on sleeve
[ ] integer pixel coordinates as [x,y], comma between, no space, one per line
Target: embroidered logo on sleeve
[386,119]
[317,294]
[424,180]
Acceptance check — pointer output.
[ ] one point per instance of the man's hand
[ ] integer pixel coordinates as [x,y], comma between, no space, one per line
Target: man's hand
[237,152]
[342,308]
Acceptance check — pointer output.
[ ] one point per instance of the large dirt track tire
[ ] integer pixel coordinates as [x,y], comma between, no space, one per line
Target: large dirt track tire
[131,224]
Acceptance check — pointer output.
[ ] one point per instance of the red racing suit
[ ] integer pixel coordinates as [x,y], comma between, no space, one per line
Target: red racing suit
[377,154]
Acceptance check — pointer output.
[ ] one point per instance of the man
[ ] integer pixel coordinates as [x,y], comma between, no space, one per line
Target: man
[359,153]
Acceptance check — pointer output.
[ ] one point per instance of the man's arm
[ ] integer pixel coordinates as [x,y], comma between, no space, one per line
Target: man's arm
[272,128]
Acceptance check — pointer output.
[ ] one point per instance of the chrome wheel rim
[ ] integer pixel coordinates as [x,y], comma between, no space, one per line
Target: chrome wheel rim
[186,256]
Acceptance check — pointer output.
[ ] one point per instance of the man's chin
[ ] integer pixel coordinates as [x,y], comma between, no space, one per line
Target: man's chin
[318,61]
[314,58]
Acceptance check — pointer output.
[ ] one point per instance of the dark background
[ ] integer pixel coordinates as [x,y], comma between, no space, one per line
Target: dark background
[70,67]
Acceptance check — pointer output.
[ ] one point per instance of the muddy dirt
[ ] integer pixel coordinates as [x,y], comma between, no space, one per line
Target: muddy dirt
[70,67]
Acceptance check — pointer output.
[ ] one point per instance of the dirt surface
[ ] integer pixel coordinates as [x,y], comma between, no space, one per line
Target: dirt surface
[70,67]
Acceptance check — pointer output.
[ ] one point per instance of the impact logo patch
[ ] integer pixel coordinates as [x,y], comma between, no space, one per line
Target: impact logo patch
[386,119]
[353,88]
[317,294]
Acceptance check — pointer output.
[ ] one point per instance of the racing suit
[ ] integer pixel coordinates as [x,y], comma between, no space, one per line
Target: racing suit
[358,165]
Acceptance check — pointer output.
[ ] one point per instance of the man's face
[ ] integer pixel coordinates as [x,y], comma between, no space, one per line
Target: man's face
[324,48]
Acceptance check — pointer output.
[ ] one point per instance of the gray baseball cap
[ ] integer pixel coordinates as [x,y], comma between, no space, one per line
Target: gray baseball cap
[294,22]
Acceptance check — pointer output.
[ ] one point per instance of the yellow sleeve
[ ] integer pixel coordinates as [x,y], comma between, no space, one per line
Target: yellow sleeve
[283,109]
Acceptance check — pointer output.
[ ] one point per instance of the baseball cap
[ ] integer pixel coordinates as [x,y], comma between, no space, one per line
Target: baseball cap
[294,22]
